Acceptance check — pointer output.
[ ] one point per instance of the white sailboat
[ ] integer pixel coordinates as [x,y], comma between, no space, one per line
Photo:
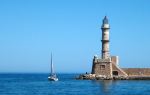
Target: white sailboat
[52,76]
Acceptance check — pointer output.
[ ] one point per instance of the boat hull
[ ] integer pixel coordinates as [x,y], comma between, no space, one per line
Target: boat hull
[52,78]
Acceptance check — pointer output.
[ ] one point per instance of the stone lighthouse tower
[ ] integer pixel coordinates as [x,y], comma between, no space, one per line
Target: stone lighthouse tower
[105,38]
[106,65]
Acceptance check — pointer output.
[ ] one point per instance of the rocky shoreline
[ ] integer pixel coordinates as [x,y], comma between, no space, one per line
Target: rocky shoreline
[103,77]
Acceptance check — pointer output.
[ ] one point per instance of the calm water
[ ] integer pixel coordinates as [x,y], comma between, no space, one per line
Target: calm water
[37,84]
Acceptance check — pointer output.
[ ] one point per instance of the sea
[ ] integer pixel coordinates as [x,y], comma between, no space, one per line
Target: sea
[38,84]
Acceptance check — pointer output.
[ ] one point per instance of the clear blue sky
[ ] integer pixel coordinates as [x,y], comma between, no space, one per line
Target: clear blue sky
[31,29]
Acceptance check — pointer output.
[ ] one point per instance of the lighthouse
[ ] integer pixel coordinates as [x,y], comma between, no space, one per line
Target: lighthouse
[106,65]
[105,38]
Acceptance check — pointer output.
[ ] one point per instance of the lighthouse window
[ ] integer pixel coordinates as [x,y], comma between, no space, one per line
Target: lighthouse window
[102,67]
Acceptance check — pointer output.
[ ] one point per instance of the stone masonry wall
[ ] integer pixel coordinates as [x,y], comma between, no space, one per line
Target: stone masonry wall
[102,67]
[106,71]
[137,71]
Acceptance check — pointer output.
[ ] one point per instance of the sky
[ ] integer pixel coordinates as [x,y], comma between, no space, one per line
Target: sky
[71,29]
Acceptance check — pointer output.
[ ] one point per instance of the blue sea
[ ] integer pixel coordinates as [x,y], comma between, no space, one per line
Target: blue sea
[38,84]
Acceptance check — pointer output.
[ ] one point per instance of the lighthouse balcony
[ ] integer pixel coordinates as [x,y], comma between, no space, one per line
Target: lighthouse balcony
[105,40]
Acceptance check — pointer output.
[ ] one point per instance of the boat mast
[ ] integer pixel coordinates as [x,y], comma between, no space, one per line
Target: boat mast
[52,65]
